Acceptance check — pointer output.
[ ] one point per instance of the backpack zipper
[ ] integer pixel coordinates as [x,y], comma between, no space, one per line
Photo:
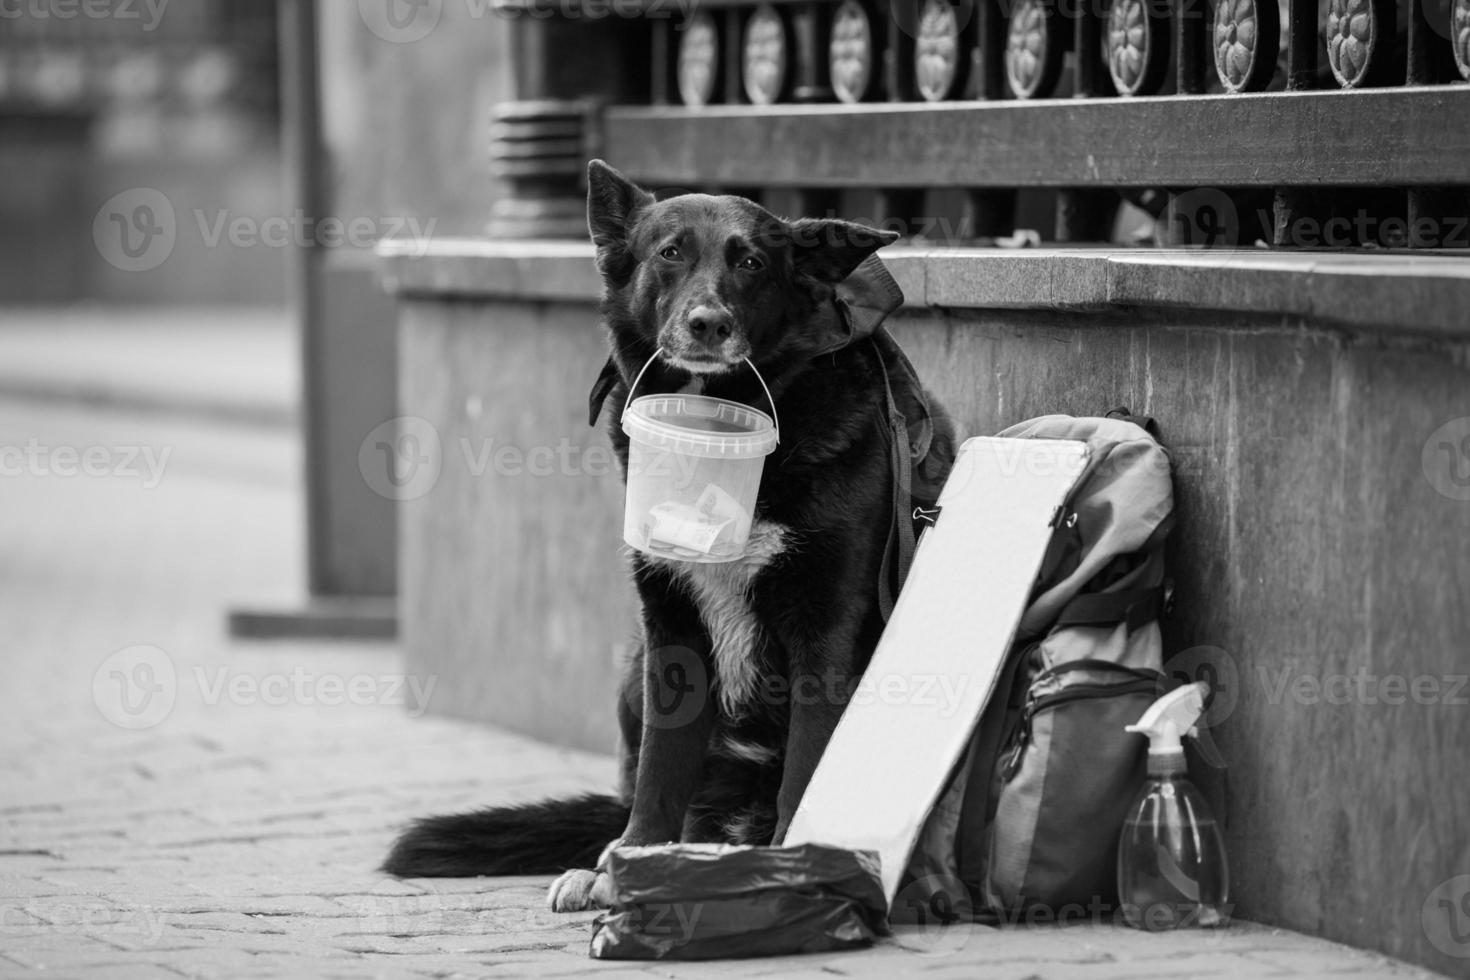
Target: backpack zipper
[1079,692]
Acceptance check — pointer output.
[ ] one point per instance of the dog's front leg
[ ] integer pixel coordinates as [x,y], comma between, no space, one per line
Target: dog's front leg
[678,715]
[817,700]
[823,664]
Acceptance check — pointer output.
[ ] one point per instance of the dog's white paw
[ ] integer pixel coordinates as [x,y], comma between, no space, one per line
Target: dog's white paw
[579,890]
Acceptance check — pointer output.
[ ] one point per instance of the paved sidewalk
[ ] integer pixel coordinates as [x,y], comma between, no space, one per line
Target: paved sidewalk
[175,805]
[234,364]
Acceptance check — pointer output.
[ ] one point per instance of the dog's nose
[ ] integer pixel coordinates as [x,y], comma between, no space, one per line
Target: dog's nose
[709,325]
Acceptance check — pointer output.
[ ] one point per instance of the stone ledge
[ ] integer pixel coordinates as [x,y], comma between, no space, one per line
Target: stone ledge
[481,267]
[1394,292]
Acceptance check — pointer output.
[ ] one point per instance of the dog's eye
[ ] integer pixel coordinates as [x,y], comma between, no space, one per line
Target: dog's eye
[671,253]
[752,264]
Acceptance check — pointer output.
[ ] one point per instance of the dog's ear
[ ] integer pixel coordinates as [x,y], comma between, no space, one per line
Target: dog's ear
[827,250]
[612,202]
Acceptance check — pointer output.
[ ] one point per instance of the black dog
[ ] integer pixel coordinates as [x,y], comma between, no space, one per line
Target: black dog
[757,656]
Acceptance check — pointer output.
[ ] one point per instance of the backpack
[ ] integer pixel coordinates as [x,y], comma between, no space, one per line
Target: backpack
[1030,820]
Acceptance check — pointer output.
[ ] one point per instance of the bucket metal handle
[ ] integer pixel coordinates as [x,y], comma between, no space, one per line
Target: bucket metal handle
[775,416]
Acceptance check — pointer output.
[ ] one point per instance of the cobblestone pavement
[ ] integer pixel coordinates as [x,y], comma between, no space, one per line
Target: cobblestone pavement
[176,805]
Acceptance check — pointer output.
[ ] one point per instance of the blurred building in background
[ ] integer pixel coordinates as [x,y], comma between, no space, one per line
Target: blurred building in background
[384,136]
[100,99]
[247,153]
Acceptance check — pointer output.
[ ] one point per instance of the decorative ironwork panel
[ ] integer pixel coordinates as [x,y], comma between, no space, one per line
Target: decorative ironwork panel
[1138,45]
[937,51]
[1357,33]
[766,57]
[1247,37]
[883,66]
[1460,35]
[699,59]
[1035,46]
[850,59]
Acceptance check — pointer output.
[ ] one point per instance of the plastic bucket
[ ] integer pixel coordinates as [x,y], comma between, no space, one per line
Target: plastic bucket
[694,466]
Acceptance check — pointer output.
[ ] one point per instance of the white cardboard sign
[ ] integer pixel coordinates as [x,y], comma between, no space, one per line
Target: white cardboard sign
[932,673]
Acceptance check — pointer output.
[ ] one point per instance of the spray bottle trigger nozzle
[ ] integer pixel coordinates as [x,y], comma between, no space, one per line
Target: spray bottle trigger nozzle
[1172,717]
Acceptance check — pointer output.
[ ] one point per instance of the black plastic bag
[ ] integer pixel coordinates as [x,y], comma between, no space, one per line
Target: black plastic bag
[711,901]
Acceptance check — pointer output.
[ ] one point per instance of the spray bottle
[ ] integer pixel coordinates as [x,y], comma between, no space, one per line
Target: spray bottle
[1171,859]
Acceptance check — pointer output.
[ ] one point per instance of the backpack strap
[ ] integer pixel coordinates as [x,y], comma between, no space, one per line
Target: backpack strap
[898,553]
[977,811]
[908,446]
[1136,607]
[601,388]
[1145,422]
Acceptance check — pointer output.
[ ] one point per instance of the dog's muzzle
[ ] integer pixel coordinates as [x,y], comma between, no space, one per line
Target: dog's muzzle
[706,341]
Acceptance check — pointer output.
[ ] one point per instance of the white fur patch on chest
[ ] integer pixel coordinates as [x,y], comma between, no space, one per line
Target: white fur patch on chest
[722,593]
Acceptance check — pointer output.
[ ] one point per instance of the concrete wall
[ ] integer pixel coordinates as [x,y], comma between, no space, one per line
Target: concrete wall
[1321,561]
[1311,548]
[513,585]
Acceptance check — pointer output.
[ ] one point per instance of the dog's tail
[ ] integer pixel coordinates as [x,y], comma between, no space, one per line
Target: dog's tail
[533,839]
